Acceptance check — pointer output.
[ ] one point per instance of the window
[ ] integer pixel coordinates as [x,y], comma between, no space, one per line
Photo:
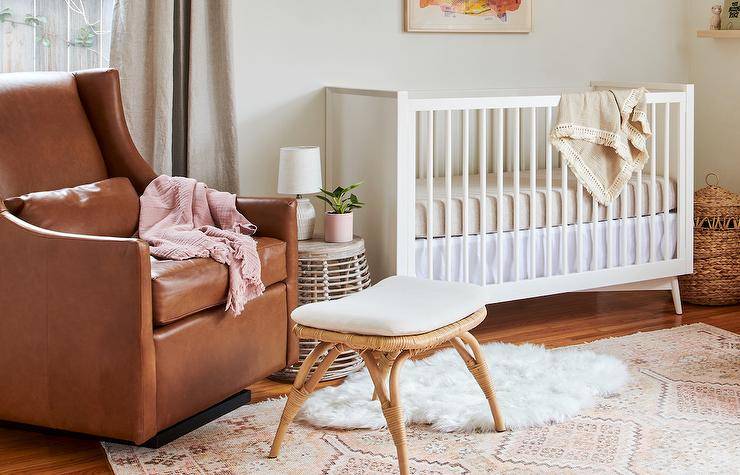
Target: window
[54,35]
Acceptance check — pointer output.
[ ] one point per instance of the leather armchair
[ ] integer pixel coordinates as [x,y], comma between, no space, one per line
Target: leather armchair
[96,336]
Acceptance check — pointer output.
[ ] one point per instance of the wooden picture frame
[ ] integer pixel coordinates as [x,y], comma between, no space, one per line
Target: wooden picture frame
[731,15]
[468,16]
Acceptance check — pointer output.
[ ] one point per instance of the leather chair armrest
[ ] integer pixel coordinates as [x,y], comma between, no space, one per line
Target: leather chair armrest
[276,218]
[76,332]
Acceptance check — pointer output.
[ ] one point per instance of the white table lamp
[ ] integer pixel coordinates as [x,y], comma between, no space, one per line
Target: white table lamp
[300,174]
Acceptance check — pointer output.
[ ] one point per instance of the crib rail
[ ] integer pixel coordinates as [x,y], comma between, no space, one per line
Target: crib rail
[486,163]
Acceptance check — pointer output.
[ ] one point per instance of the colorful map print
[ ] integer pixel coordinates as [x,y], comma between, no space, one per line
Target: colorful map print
[498,8]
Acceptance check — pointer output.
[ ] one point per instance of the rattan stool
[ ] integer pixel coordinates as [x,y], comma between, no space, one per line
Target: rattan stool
[384,355]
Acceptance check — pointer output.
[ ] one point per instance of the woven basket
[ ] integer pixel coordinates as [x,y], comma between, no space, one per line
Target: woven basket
[716,277]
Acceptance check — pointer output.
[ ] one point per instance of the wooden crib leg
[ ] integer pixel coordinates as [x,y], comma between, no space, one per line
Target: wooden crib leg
[302,389]
[676,293]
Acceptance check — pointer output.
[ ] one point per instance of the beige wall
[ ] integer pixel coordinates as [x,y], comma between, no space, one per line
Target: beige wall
[714,67]
[286,51]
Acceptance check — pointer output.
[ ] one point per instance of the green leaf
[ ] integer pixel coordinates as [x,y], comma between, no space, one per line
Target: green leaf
[45,42]
[31,20]
[337,199]
[323,198]
[331,202]
[352,186]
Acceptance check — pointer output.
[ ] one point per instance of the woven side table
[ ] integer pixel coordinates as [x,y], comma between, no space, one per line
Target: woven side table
[328,271]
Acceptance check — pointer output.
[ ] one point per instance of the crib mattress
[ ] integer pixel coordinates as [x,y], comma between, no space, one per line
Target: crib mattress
[439,208]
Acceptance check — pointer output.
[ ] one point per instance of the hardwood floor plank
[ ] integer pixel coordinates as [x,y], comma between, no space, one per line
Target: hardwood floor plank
[555,321]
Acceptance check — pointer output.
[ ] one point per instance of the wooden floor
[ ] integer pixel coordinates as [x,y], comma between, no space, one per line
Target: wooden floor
[553,321]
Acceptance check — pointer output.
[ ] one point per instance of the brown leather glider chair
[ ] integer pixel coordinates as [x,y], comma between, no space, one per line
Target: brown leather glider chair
[96,336]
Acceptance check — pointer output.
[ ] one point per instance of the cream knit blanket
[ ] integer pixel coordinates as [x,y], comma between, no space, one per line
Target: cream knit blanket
[602,136]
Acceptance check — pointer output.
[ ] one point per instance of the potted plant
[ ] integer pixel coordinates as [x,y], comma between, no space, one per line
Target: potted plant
[338,220]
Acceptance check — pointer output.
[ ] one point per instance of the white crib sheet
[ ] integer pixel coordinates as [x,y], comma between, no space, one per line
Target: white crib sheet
[491,242]
[439,206]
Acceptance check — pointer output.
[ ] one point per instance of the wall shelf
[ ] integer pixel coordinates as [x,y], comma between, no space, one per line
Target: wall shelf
[718,34]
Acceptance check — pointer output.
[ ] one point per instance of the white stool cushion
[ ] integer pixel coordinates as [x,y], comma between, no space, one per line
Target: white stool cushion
[395,306]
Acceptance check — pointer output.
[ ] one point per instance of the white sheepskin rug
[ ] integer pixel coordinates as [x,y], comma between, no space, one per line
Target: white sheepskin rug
[534,386]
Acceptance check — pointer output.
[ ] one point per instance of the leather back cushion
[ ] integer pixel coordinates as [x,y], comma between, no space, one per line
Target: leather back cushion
[106,208]
[46,141]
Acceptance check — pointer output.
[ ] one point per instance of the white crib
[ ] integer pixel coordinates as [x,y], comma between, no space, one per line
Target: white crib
[465,186]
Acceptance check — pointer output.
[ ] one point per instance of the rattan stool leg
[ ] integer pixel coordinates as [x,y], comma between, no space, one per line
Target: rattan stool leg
[477,366]
[385,363]
[390,402]
[394,414]
[302,389]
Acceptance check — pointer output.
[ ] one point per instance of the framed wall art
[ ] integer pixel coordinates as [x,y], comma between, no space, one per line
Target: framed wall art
[731,15]
[469,16]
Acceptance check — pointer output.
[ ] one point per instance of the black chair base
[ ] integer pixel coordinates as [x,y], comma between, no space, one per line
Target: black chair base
[163,437]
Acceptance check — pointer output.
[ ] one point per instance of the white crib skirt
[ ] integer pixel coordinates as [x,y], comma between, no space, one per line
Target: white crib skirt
[587,251]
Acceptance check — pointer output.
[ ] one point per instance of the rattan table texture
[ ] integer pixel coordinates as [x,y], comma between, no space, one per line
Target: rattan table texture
[329,271]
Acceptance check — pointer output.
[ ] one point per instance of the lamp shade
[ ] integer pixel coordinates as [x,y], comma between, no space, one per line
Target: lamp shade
[300,170]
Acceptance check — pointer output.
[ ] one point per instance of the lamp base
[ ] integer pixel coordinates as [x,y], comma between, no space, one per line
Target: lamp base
[306,219]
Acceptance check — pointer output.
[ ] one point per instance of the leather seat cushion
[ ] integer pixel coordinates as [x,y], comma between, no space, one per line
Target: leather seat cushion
[182,288]
[105,208]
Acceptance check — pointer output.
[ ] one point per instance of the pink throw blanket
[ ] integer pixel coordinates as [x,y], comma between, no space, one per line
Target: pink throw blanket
[182,219]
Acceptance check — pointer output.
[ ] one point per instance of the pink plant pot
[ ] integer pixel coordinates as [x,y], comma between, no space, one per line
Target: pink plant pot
[338,227]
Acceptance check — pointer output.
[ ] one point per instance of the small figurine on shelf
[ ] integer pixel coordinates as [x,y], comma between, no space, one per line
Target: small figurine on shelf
[716,23]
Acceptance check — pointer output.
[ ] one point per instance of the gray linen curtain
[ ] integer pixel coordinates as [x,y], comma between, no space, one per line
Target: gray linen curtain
[175,62]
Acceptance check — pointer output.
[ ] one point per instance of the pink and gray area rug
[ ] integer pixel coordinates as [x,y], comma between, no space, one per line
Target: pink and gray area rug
[678,412]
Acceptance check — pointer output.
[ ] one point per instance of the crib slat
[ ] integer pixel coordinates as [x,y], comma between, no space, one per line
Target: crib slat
[482,140]
[666,177]
[638,218]
[594,233]
[500,196]
[430,193]
[609,217]
[579,221]
[564,217]
[517,165]
[415,159]
[466,192]
[653,180]
[533,193]
[420,140]
[548,199]
[623,227]
[681,210]
[448,195]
